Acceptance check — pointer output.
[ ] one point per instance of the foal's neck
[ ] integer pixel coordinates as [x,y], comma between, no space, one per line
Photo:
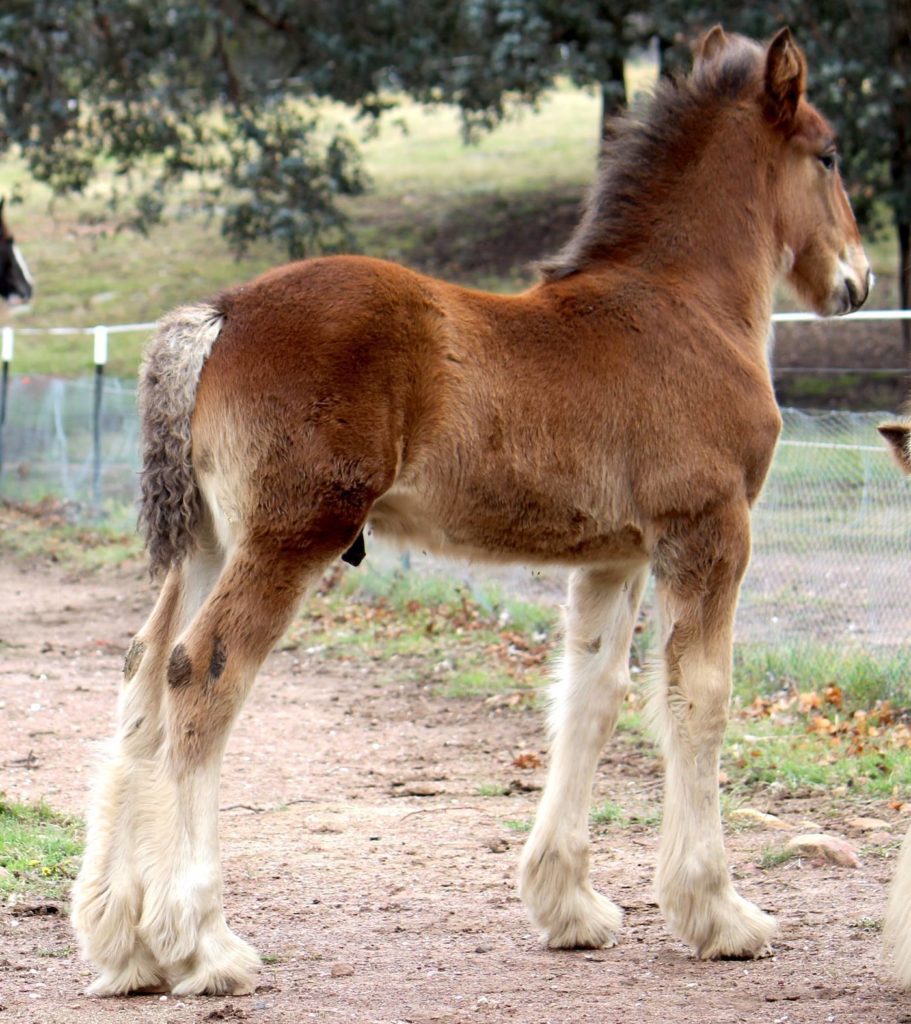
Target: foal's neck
[709,232]
[720,239]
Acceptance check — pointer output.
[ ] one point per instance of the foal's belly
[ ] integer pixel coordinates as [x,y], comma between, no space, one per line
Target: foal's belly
[505,528]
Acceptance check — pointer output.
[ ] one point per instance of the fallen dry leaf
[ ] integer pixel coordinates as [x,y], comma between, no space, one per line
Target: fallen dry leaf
[527,759]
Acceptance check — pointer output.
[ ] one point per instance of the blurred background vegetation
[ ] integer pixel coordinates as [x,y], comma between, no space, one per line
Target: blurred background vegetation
[264,120]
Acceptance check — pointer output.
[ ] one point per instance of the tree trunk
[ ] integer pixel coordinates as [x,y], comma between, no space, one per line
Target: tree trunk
[904,283]
[613,93]
[900,63]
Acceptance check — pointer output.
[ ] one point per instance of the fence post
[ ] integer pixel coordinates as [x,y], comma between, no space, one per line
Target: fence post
[101,357]
[6,355]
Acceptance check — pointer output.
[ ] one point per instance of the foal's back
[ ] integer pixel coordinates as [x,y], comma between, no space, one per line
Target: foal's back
[567,419]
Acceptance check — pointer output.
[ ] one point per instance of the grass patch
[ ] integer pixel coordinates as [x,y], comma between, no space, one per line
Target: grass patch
[59,953]
[492,789]
[863,677]
[477,682]
[650,819]
[518,824]
[429,631]
[796,755]
[45,531]
[824,740]
[608,813]
[867,924]
[39,849]
[774,856]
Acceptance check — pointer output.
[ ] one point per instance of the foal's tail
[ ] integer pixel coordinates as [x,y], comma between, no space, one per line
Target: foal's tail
[170,503]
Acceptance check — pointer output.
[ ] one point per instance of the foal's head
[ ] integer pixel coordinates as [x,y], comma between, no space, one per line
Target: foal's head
[15,279]
[820,247]
[736,150]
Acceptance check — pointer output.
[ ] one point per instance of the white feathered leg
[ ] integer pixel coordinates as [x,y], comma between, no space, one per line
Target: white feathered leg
[593,681]
[697,601]
[128,804]
[897,932]
[107,895]
[209,674]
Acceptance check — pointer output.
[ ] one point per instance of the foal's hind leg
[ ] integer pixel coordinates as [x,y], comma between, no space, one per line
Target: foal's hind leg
[209,674]
[108,894]
[593,682]
[699,576]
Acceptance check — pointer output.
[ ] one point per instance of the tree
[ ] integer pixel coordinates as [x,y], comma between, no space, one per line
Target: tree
[169,89]
[150,91]
[900,163]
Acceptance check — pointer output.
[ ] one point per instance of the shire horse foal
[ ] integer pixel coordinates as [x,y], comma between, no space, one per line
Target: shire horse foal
[618,418]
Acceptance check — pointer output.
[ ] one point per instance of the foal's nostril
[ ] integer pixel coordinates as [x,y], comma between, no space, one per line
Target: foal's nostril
[855,299]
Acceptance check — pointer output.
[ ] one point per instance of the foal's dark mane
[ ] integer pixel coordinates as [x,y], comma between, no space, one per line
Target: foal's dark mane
[646,147]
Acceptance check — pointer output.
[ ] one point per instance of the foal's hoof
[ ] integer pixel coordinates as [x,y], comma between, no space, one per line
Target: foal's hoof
[222,964]
[588,921]
[554,886]
[726,927]
[139,975]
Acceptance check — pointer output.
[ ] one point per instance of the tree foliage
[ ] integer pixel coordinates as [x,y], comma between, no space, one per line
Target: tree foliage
[229,91]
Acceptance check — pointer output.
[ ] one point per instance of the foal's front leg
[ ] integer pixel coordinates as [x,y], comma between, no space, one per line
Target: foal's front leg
[593,681]
[698,583]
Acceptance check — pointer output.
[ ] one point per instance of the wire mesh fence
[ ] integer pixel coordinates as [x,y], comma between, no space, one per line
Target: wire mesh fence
[831,532]
[831,537]
[62,438]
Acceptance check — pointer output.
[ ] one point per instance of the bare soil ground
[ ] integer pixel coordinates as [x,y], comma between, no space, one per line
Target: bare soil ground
[365,864]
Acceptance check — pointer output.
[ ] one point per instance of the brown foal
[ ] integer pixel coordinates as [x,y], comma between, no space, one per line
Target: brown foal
[618,418]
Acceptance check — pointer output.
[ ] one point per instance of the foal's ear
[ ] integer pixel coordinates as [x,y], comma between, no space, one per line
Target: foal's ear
[897,434]
[785,79]
[710,45]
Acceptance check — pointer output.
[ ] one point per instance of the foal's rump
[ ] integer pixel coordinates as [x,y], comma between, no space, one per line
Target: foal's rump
[284,402]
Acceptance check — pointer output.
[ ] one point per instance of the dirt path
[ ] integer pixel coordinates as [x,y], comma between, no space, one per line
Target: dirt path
[362,861]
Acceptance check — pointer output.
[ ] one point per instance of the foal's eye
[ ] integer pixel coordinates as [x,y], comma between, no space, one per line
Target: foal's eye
[828,160]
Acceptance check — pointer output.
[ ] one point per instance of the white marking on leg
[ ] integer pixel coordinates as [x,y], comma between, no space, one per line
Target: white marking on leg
[897,931]
[593,681]
[694,888]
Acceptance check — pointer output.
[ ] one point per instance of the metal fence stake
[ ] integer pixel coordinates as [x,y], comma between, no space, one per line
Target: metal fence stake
[6,354]
[101,357]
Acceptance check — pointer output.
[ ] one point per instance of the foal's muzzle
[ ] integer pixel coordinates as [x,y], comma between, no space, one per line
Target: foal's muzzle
[857,293]
[854,292]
